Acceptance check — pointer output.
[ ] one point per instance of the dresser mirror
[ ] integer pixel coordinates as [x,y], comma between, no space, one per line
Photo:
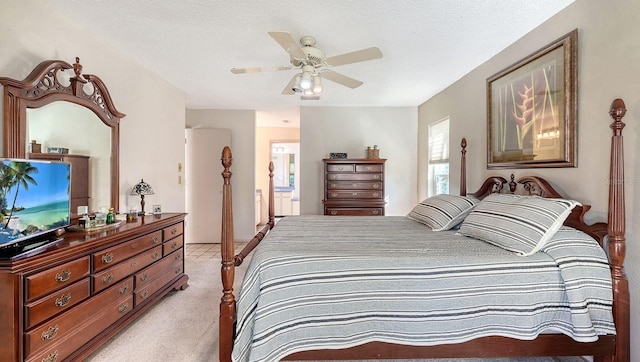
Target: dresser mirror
[62,109]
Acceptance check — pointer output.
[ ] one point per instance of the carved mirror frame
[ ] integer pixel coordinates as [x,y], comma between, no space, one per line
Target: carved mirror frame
[43,86]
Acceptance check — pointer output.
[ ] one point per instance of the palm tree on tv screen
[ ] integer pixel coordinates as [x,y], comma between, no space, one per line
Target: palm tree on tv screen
[20,172]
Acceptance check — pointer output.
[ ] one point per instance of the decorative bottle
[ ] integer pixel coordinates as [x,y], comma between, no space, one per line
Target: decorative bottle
[111,216]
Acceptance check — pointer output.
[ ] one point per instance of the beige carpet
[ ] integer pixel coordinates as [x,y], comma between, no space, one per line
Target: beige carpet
[183,327]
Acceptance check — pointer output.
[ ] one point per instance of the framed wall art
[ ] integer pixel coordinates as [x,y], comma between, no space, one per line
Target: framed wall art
[531,109]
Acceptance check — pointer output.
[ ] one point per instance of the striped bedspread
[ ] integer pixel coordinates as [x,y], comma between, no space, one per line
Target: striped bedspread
[320,282]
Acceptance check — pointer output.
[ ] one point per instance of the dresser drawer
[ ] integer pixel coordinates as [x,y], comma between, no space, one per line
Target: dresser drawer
[354,177]
[368,168]
[172,231]
[354,194]
[61,326]
[164,276]
[57,302]
[108,277]
[65,346]
[345,185]
[111,256]
[173,245]
[369,211]
[151,272]
[55,278]
[341,168]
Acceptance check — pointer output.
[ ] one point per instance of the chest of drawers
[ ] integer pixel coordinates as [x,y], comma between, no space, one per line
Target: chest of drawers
[76,294]
[354,187]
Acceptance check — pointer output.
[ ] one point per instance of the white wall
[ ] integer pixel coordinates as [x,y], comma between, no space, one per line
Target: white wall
[151,134]
[351,129]
[608,68]
[243,130]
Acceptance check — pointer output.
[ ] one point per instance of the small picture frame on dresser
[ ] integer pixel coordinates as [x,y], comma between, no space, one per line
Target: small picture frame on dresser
[338,155]
[157,209]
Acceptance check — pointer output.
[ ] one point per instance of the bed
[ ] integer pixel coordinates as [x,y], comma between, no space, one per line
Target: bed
[320,288]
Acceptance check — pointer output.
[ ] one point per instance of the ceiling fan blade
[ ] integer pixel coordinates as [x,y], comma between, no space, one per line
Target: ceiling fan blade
[355,57]
[288,90]
[289,44]
[259,69]
[340,79]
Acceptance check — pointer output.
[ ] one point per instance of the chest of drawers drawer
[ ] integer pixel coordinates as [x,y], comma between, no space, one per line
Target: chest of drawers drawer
[173,231]
[173,245]
[62,326]
[118,253]
[55,278]
[161,274]
[56,302]
[360,194]
[108,277]
[364,211]
[354,185]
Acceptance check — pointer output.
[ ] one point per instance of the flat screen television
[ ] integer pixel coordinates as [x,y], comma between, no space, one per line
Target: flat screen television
[34,202]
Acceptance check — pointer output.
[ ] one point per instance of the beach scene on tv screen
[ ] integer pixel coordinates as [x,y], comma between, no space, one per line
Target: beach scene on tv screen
[34,198]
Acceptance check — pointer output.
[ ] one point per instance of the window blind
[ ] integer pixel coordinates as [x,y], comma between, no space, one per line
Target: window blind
[439,142]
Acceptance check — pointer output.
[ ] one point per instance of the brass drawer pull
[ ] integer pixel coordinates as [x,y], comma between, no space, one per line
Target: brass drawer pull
[369,168]
[174,231]
[134,245]
[144,277]
[144,294]
[178,270]
[376,186]
[124,289]
[178,256]
[173,245]
[63,276]
[107,278]
[354,193]
[123,308]
[155,239]
[52,357]
[376,194]
[354,185]
[107,258]
[50,333]
[155,255]
[63,300]
[333,194]
[376,177]
[334,212]
[333,177]
[340,168]
[134,263]
[375,212]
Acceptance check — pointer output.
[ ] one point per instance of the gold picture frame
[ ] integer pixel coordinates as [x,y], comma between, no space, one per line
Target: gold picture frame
[532,109]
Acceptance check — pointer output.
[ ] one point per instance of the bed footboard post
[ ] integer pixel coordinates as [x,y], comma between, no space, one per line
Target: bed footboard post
[616,231]
[463,167]
[272,210]
[227,303]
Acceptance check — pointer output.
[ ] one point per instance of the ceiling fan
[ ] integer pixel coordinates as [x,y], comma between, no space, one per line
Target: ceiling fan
[311,62]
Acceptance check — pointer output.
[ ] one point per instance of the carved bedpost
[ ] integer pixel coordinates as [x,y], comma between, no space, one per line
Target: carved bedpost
[227,303]
[463,168]
[272,211]
[616,231]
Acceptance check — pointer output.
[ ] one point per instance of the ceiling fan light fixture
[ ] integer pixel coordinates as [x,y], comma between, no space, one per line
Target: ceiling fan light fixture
[296,84]
[305,82]
[317,84]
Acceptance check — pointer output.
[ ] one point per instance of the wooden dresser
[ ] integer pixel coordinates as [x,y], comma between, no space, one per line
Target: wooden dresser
[354,187]
[76,294]
[79,176]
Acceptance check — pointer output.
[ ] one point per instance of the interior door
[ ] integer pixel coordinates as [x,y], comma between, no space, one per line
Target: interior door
[203,183]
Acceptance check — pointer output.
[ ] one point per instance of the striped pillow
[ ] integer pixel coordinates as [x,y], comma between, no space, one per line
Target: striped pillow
[522,224]
[443,212]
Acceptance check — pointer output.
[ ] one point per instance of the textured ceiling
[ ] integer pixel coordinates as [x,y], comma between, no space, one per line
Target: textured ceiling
[193,44]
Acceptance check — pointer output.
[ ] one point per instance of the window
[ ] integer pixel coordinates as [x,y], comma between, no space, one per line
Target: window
[438,179]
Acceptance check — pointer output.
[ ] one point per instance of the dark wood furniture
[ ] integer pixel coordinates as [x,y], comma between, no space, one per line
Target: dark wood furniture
[611,348]
[64,302]
[43,86]
[354,187]
[79,176]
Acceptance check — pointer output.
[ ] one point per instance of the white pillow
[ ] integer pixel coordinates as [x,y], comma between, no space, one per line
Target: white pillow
[522,224]
[443,212]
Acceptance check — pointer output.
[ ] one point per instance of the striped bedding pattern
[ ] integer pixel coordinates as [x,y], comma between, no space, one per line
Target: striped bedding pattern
[318,282]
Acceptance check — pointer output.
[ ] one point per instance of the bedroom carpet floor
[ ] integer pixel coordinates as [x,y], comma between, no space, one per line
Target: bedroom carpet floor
[183,326]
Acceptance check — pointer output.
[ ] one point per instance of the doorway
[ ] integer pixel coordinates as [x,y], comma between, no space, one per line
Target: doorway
[286,177]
